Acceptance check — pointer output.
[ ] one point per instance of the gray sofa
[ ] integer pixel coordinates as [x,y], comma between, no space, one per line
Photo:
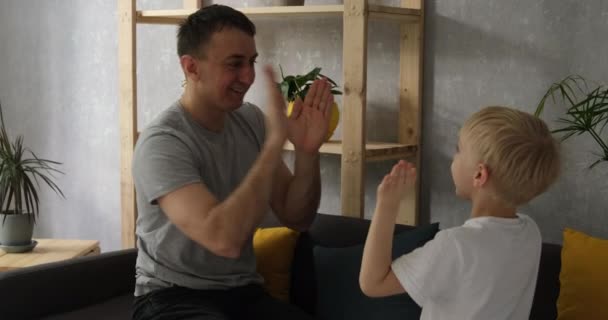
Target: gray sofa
[101,287]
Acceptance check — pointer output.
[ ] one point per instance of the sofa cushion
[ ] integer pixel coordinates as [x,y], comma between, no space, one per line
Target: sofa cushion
[274,248]
[117,308]
[583,277]
[337,272]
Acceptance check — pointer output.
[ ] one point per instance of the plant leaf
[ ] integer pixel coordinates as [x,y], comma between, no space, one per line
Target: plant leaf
[18,193]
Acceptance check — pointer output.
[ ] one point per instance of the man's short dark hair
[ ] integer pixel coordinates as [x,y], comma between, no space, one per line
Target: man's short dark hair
[195,32]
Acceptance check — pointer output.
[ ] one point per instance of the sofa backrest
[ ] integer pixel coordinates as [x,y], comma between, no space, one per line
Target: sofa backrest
[547,284]
[339,231]
[53,288]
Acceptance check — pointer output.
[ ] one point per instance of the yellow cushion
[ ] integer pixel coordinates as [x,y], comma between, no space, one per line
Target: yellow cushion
[274,249]
[583,277]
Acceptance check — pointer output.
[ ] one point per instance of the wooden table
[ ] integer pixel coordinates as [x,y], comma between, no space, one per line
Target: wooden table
[49,250]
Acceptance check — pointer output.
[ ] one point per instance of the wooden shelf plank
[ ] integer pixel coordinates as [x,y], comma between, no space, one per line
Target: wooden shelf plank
[293,10]
[379,12]
[374,151]
[176,16]
[388,151]
[47,251]
[163,16]
[394,13]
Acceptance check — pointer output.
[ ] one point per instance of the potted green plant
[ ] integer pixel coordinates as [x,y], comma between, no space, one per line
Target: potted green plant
[293,86]
[21,172]
[586,111]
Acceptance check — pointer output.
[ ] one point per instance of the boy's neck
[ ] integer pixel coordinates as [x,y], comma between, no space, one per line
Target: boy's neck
[489,207]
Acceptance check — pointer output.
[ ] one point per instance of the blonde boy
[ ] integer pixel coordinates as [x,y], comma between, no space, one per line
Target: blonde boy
[486,268]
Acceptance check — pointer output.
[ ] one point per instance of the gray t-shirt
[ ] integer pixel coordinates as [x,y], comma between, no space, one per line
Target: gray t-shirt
[175,151]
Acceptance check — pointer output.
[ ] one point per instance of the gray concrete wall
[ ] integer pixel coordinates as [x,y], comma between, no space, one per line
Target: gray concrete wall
[509,52]
[59,88]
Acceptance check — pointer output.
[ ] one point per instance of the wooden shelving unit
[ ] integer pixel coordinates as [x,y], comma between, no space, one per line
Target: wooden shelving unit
[354,150]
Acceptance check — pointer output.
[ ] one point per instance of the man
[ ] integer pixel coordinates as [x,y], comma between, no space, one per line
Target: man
[206,171]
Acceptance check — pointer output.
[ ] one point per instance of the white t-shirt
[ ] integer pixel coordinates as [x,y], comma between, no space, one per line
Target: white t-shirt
[484,269]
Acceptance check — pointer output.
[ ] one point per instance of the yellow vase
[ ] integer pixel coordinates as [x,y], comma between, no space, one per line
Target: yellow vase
[333,123]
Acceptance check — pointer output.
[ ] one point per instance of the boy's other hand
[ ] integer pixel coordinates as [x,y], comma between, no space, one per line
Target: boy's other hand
[394,185]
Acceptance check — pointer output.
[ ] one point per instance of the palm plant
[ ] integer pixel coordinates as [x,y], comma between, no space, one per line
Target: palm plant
[294,86]
[20,176]
[587,110]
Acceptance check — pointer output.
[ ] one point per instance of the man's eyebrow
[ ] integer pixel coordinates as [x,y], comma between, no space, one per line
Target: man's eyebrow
[240,56]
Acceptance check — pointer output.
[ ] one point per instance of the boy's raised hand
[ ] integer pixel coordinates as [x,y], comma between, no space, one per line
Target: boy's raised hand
[376,277]
[394,185]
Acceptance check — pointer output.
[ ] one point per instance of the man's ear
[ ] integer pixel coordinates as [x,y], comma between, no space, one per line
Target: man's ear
[190,67]
[481,175]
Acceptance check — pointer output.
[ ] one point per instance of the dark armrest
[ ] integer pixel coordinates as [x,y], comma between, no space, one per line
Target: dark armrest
[66,285]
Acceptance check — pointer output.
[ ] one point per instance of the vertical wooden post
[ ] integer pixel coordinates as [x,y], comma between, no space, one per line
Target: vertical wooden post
[412,4]
[128,116]
[192,4]
[410,101]
[355,98]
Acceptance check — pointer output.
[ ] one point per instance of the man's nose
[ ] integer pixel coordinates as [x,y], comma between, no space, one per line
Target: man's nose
[247,75]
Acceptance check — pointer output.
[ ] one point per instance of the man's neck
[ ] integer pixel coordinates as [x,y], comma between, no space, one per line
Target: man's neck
[488,206]
[210,118]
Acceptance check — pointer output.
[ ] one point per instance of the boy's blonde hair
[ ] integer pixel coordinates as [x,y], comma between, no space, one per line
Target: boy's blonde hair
[521,154]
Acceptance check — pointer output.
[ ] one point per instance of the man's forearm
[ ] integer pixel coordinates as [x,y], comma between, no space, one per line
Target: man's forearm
[304,192]
[377,254]
[244,209]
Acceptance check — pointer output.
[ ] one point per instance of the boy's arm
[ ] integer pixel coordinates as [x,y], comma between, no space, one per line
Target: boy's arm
[376,277]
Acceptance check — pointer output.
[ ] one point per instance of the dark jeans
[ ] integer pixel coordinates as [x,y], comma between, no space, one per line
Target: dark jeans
[249,302]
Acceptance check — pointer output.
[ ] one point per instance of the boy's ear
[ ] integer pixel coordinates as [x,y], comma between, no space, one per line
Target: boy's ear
[481,175]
